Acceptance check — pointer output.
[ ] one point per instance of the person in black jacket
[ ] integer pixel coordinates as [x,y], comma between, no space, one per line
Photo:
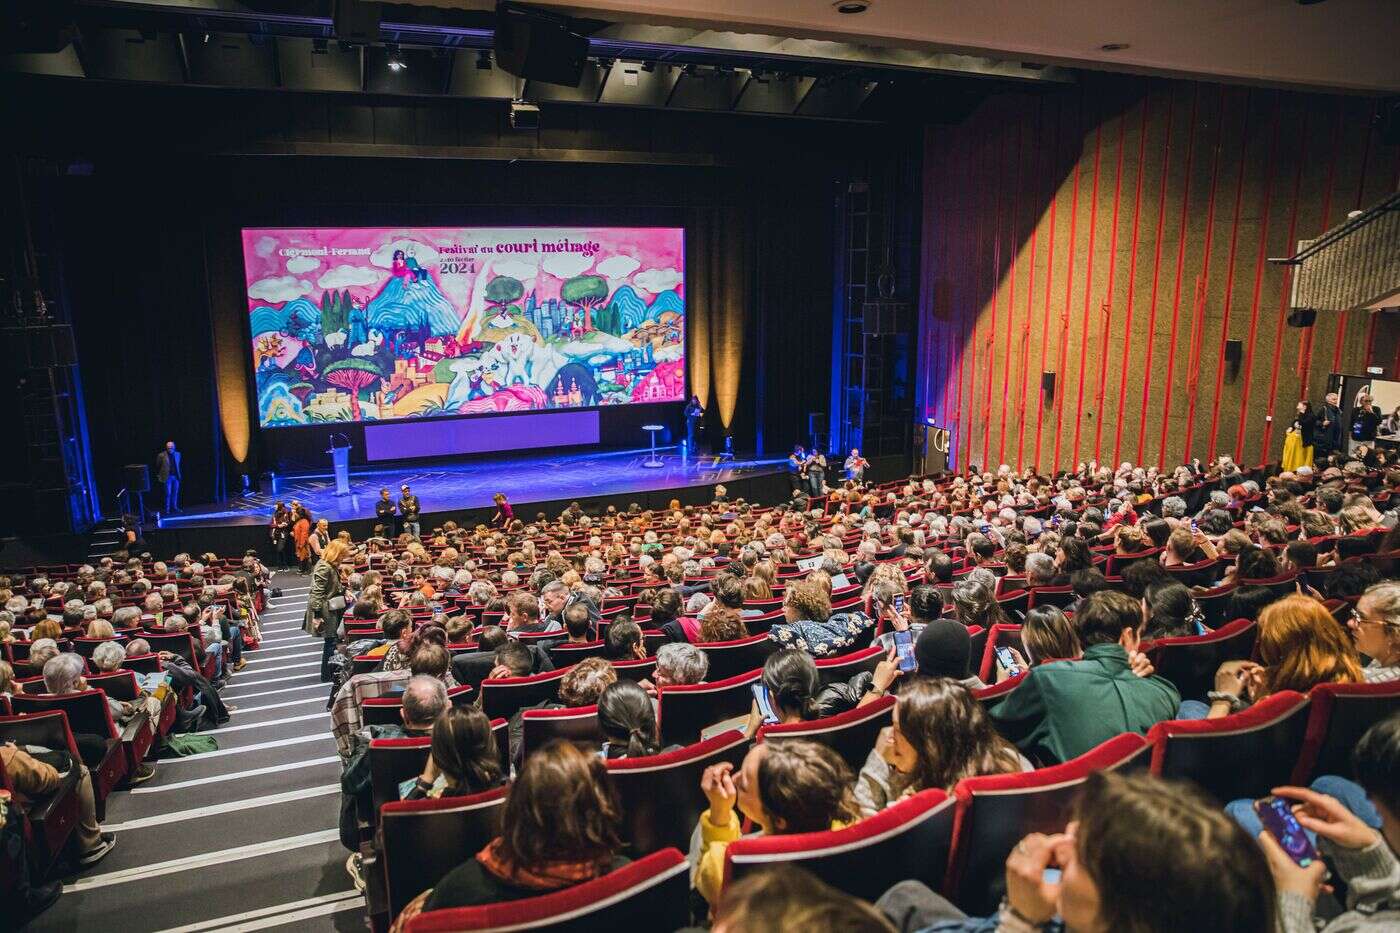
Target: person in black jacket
[1327,430]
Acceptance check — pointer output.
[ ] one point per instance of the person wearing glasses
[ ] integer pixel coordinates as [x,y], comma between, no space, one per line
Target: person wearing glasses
[1375,627]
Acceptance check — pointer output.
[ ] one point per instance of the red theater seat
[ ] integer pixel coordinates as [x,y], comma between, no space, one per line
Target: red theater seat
[1001,635]
[542,726]
[1061,596]
[996,811]
[50,819]
[684,712]
[1190,661]
[909,840]
[420,841]
[1340,715]
[1243,755]
[640,669]
[660,794]
[88,714]
[728,658]
[843,667]
[852,733]
[393,761]
[501,698]
[651,893]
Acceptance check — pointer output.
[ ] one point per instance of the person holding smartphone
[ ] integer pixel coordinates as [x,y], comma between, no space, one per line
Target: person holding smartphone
[787,691]
[1363,855]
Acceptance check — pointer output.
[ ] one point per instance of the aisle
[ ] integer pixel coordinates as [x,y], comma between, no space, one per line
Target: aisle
[243,838]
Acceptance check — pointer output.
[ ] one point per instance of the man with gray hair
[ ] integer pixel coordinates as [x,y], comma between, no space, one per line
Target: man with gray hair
[1040,569]
[678,664]
[41,651]
[1173,507]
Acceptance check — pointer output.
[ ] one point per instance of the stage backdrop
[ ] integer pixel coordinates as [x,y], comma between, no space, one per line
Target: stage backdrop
[379,324]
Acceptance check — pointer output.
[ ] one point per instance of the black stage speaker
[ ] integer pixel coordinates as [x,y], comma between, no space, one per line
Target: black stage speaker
[1234,355]
[356,21]
[538,46]
[138,477]
[1302,317]
[1047,386]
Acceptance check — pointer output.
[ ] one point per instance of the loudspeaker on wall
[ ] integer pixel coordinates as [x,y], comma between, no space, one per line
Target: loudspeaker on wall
[1047,386]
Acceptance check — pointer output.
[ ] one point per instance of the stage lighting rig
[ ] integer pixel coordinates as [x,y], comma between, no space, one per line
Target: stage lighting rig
[395,62]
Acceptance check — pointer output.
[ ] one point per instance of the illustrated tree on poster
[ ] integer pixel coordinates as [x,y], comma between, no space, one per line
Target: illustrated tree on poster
[587,292]
[501,291]
[354,375]
[335,312]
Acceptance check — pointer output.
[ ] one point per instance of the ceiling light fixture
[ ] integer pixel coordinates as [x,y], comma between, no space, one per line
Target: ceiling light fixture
[395,62]
[1114,46]
[851,7]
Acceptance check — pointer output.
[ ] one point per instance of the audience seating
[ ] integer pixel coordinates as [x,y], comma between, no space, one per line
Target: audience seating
[1060,596]
[501,698]
[728,658]
[1001,635]
[640,669]
[1340,714]
[122,685]
[843,667]
[88,715]
[51,819]
[183,644]
[1190,661]
[995,811]
[541,726]
[566,654]
[684,712]
[660,794]
[422,840]
[1244,755]
[393,761]
[912,836]
[652,893]
[852,733]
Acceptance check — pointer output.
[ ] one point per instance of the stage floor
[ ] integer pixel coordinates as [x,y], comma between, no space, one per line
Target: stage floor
[470,485]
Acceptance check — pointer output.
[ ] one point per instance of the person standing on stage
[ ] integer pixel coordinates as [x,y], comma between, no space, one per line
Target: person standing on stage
[409,511]
[504,513]
[280,530]
[384,511]
[694,411]
[1327,433]
[797,469]
[816,473]
[168,472]
[855,466]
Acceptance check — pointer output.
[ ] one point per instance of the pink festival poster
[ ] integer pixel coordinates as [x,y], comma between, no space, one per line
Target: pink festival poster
[378,324]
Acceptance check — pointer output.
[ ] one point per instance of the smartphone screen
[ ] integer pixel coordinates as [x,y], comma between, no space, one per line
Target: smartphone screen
[899,604]
[904,651]
[765,708]
[1279,820]
[1008,661]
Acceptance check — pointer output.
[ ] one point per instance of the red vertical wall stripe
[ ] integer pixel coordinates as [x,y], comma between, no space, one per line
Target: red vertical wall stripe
[1259,262]
[1107,322]
[1230,277]
[993,280]
[1036,187]
[1013,239]
[1284,285]
[1069,288]
[1127,353]
[1049,278]
[1156,276]
[1088,290]
[1180,265]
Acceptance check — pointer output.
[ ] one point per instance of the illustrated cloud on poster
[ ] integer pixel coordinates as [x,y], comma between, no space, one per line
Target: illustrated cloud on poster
[417,323]
[618,267]
[348,276]
[279,288]
[567,265]
[657,280]
[301,264]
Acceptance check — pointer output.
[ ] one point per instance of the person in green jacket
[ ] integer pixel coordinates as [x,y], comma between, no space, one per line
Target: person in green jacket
[1064,708]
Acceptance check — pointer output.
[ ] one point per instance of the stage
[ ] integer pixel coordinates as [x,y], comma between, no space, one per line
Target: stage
[462,491]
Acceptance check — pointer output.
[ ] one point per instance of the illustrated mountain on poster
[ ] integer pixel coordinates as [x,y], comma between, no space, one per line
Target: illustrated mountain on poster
[416,307]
